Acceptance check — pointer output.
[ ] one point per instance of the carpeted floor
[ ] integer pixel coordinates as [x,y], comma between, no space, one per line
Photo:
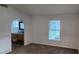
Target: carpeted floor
[42,49]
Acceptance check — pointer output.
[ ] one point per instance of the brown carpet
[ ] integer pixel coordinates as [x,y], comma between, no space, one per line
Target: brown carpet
[42,49]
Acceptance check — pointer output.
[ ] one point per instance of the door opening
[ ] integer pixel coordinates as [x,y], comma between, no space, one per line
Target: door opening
[17,33]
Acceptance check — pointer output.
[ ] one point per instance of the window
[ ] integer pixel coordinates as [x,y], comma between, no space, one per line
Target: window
[21,26]
[54,30]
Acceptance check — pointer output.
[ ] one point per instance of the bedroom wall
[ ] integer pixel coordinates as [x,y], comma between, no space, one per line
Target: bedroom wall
[36,29]
[69,30]
[7,15]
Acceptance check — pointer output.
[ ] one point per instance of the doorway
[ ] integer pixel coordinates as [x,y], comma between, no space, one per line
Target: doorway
[17,33]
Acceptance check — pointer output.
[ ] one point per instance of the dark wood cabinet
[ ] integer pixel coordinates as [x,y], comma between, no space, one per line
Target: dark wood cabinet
[17,37]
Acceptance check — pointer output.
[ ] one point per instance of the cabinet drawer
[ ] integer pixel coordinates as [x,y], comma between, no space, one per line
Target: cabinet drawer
[20,37]
[17,37]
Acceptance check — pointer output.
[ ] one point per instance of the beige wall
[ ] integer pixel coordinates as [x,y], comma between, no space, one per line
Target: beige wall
[36,29]
[69,30]
[7,15]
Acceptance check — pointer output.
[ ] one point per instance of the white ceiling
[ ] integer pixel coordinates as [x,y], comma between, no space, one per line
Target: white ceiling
[48,9]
